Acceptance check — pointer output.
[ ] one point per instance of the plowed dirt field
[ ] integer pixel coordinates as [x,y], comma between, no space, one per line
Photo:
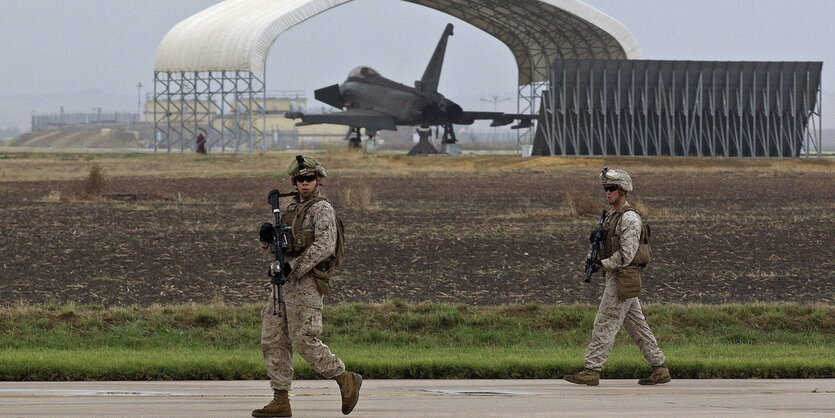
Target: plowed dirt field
[722,231]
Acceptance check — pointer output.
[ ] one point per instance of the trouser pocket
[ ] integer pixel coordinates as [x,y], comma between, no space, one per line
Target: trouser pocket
[312,325]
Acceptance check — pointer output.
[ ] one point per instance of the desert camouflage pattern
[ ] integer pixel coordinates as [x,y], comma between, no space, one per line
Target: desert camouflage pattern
[298,327]
[613,313]
[629,230]
[301,321]
[311,165]
[618,177]
[301,285]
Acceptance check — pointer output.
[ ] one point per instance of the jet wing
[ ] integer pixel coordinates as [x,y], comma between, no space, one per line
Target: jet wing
[360,118]
[499,118]
[470,117]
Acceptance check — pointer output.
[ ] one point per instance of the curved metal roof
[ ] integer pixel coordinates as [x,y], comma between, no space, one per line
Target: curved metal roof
[236,35]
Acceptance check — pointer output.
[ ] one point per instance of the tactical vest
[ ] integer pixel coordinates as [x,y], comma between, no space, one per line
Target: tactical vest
[298,241]
[611,243]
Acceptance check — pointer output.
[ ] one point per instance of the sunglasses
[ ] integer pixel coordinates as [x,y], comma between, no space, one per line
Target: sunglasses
[306,179]
[612,188]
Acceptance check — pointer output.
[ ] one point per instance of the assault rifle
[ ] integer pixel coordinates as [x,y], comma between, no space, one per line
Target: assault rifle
[276,236]
[596,239]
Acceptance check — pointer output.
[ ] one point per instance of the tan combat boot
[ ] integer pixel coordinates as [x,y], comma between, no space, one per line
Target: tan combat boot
[278,407]
[660,374]
[586,377]
[349,388]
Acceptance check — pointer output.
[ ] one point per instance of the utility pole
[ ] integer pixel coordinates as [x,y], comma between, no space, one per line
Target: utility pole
[139,102]
[495,100]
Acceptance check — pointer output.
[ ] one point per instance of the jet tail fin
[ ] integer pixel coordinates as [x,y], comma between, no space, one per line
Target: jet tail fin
[429,82]
[330,95]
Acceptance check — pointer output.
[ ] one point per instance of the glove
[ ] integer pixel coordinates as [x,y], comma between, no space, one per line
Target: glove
[276,267]
[267,233]
[595,264]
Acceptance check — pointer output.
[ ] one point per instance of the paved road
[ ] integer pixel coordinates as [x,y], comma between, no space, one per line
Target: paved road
[426,398]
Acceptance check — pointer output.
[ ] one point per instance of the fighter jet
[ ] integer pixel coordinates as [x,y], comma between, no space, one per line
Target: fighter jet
[370,101]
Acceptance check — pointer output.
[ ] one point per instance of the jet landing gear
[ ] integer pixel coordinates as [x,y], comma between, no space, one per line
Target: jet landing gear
[449,145]
[371,142]
[354,137]
[449,135]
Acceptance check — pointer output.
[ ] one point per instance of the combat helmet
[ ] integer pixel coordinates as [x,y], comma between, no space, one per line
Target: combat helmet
[304,164]
[617,177]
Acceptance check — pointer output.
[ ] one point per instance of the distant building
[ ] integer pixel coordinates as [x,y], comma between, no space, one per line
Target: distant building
[9,133]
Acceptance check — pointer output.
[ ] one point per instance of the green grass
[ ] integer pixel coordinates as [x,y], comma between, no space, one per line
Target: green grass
[399,340]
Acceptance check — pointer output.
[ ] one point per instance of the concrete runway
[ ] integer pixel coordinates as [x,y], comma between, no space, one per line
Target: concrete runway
[426,398]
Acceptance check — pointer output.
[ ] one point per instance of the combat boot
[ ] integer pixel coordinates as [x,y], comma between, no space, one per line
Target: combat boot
[660,374]
[278,407]
[586,377]
[349,388]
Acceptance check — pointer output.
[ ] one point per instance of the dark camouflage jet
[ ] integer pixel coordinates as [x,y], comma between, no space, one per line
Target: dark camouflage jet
[369,100]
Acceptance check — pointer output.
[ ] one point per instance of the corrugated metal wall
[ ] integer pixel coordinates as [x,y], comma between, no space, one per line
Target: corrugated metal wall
[681,108]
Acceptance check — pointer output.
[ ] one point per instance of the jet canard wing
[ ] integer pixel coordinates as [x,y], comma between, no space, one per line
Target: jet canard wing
[360,118]
[330,95]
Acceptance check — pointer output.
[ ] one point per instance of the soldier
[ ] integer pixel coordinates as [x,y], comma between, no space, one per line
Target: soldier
[622,258]
[201,143]
[299,322]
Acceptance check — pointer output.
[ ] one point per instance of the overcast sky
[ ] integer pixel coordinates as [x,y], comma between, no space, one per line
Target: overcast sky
[85,53]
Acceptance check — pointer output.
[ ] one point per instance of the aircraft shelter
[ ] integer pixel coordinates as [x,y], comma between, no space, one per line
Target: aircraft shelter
[681,108]
[209,72]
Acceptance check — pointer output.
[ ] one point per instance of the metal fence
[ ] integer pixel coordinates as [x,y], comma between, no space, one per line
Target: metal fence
[62,120]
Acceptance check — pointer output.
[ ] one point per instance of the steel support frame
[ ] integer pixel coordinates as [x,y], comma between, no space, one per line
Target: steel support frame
[813,138]
[770,119]
[528,28]
[228,106]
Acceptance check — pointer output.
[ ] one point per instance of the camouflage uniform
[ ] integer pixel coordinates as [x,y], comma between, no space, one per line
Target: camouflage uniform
[613,312]
[314,249]
[300,322]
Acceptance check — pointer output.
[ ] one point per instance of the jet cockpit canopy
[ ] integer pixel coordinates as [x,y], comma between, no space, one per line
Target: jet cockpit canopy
[363,72]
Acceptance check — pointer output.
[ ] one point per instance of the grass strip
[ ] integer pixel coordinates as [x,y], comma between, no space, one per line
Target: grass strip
[400,340]
[769,361]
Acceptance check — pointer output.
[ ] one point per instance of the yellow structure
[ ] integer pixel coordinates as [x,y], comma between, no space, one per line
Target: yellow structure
[275,121]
